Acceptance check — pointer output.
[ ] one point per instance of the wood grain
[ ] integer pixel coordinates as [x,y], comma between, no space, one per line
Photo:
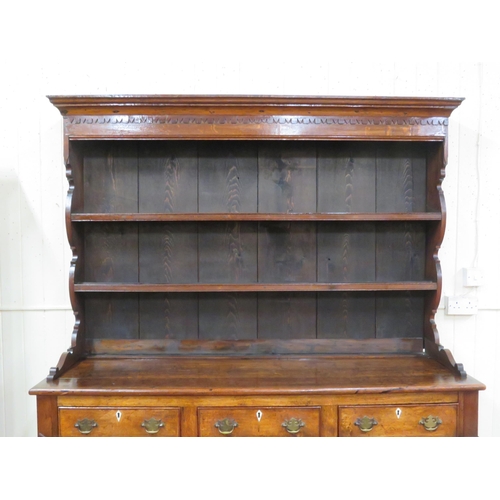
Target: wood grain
[238,376]
[227,316]
[400,252]
[269,425]
[111,253]
[401,178]
[346,315]
[287,252]
[346,177]
[168,252]
[168,316]
[287,316]
[129,424]
[252,347]
[110,316]
[287,178]
[110,177]
[346,252]
[400,314]
[228,177]
[228,252]
[167,177]
[388,423]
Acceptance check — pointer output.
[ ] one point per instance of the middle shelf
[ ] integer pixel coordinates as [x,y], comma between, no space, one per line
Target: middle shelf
[283,255]
[255,287]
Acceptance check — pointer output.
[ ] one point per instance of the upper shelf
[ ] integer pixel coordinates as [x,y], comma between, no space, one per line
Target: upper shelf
[206,217]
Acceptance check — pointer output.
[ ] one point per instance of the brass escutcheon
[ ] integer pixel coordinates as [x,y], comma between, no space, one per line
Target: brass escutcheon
[86,425]
[365,423]
[293,425]
[152,426]
[226,426]
[431,423]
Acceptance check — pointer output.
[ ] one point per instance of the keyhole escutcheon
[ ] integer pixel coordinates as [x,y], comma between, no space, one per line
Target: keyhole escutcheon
[258,415]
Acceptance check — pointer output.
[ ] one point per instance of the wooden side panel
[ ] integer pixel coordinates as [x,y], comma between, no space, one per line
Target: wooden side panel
[228,252]
[111,253]
[168,252]
[168,316]
[46,407]
[287,252]
[227,316]
[287,177]
[112,316]
[287,316]
[468,414]
[346,315]
[228,177]
[401,178]
[346,252]
[400,254]
[168,177]
[400,315]
[346,177]
[110,177]
[76,174]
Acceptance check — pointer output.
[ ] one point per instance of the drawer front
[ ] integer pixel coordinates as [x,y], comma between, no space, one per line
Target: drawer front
[160,422]
[417,420]
[259,421]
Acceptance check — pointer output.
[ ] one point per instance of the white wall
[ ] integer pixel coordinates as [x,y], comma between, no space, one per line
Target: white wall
[185,50]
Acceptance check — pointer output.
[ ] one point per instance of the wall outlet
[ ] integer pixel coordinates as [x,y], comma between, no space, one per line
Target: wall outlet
[461,306]
[473,276]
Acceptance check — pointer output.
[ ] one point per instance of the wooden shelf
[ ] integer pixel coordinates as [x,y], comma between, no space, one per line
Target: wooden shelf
[207,217]
[256,287]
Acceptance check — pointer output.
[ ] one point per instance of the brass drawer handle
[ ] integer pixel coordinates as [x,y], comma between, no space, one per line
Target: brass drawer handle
[86,425]
[293,425]
[431,423]
[226,426]
[152,426]
[365,423]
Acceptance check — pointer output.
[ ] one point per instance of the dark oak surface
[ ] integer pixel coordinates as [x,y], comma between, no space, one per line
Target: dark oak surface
[271,376]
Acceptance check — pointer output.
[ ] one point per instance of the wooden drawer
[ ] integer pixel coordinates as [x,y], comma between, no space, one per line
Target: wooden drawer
[398,420]
[119,422]
[211,421]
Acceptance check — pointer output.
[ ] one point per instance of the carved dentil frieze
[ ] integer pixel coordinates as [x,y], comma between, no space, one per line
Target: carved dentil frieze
[249,120]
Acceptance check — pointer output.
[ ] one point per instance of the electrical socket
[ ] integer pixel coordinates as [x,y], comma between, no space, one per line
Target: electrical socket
[473,276]
[461,306]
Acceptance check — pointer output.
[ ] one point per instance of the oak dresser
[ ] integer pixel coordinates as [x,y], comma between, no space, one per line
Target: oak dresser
[255,266]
